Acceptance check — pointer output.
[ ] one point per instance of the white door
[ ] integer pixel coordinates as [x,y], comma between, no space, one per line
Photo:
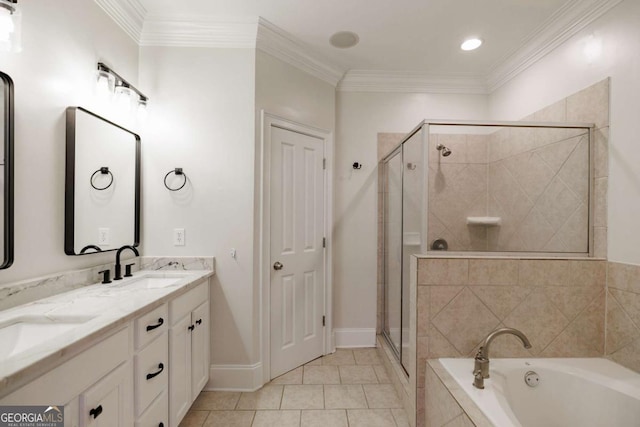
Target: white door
[297,253]
[199,349]
[179,370]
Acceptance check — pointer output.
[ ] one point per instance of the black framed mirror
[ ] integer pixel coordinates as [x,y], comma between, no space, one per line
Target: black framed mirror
[102,191]
[6,163]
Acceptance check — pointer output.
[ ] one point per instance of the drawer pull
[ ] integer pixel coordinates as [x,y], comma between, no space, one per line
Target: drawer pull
[199,322]
[157,325]
[95,412]
[155,374]
[192,327]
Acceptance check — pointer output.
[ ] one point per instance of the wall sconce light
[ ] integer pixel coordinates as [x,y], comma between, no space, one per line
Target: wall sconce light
[126,95]
[10,26]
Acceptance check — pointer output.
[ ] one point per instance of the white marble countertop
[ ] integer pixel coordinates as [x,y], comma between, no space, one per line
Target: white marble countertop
[108,308]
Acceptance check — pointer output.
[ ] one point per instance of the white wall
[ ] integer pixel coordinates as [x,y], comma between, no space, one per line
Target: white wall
[62,42]
[567,70]
[201,117]
[360,117]
[287,92]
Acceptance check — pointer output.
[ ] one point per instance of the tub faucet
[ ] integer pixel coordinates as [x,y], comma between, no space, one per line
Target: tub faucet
[118,272]
[481,366]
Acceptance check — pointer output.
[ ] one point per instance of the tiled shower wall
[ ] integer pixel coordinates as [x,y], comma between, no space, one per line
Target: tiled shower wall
[558,303]
[535,180]
[623,315]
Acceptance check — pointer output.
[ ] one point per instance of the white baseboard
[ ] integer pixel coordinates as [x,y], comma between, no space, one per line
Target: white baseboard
[234,377]
[355,338]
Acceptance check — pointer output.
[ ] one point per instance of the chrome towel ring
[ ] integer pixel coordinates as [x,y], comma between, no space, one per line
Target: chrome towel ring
[176,171]
[102,171]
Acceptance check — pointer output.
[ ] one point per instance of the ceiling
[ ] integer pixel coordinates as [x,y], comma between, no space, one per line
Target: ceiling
[419,36]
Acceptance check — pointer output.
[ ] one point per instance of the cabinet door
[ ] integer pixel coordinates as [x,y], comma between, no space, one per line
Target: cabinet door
[108,403]
[179,369]
[200,349]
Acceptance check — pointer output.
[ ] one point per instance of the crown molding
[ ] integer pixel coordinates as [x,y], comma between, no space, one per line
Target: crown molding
[195,31]
[562,25]
[393,81]
[128,14]
[284,46]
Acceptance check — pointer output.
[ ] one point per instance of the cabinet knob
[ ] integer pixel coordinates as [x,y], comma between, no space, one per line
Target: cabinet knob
[199,322]
[95,412]
[278,265]
[192,327]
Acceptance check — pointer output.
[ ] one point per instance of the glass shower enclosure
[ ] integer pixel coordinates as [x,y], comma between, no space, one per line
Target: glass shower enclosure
[481,187]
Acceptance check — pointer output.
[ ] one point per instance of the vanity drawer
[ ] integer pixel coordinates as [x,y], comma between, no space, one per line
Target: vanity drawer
[184,304]
[151,325]
[151,372]
[157,415]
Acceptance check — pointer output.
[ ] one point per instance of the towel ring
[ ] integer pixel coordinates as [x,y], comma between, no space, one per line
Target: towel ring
[177,171]
[103,171]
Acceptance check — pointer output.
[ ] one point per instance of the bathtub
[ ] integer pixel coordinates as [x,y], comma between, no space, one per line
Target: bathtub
[570,392]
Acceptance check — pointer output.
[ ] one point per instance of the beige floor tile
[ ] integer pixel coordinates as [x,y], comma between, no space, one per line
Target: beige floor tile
[314,362]
[370,418]
[401,417]
[194,418]
[326,418]
[216,400]
[382,374]
[367,356]
[321,375]
[340,357]
[358,374]
[303,397]
[381,396]
[291,377]
[229,419]
[268,397]
[344,397]
[276,419]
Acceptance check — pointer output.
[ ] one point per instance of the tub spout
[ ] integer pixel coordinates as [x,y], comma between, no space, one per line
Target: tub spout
[481,367]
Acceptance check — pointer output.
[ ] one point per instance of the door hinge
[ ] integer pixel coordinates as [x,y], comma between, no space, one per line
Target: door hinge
[323,321]
[324,242]
[324,163]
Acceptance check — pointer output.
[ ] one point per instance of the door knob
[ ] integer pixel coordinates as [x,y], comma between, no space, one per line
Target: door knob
[278,265]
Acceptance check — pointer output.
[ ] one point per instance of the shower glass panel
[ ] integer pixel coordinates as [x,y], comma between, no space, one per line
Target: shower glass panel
[412,225]
[509,188]
[393,250]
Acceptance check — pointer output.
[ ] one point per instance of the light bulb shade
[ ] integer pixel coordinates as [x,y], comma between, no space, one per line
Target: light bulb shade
[105,84]
[471,44]
[142,109]
[124,97]
[10,27]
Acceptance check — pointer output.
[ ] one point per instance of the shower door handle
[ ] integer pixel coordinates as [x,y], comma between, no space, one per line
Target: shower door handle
[278,265]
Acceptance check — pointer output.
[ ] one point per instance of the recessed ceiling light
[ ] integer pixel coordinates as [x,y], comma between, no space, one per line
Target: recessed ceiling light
[344,39]
[471,44]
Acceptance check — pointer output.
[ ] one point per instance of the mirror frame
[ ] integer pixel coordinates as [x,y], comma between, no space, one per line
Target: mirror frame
[8,170]
[69,195]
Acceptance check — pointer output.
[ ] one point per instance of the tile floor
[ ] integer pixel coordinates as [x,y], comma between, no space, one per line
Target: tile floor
[349,388]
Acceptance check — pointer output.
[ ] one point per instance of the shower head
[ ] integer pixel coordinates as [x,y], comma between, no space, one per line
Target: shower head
[443,150]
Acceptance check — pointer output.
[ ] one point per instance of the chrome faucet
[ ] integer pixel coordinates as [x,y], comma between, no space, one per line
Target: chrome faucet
[118,268]
[481,366]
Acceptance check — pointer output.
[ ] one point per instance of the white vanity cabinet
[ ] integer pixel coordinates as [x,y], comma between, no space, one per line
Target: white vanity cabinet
[96,386]
[188,350]
[151,368]
[145,374]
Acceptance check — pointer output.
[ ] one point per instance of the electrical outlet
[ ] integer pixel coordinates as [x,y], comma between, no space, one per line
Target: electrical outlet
[178,237]
[103,236]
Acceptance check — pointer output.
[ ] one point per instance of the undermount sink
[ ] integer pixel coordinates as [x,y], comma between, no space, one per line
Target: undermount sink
[24,332]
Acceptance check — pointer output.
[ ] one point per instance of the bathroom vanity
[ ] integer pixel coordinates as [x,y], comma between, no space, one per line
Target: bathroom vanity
[130,353]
